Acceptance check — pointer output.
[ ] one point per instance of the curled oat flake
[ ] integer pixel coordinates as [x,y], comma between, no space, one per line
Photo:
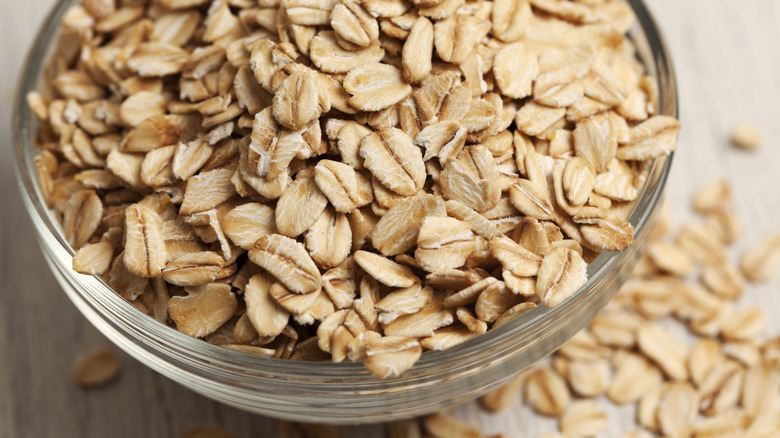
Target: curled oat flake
[387,158]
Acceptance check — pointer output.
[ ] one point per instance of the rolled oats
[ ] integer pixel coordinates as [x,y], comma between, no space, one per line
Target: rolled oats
[664,349]
[746,136]
[584,418]
[721,388]
[561,273]
[677,409]
[144,253]
[511,18]
[385,270]
[759,393]
[300,205]
[744,325]
[397,230]
[338,182]
[203,310]
[375,86]
[329,239]
[588,377]
[93,259]
[393,159]
[363,155]
[389,356]
[546,392]
[417,51]
[761,261]
[95,368]
[729,383]
[82,217]
[443,243]
[246,223]
[441,425]
[353,23]
[634,376]
[515,69]
[288,261]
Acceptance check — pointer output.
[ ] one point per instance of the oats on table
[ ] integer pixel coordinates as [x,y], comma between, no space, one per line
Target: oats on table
[96,368]
[746,136]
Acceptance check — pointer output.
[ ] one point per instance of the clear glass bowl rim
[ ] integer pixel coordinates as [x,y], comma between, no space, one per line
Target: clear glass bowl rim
[213,370]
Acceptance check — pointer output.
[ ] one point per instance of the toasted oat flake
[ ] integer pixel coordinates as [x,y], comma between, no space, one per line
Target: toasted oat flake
[443,243]
[330,57]
[670,258]
[759,393]
[299,207]
[296,102]
[417,51]
[609,233]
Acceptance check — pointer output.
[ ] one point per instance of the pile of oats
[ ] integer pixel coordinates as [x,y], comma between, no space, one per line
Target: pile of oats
[724,383]
[339,180]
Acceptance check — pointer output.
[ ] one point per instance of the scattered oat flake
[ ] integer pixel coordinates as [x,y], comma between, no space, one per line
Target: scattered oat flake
[96,368]
[746,136]
[761,262]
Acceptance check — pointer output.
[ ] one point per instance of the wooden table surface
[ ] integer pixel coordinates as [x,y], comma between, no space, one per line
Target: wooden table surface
[726,55]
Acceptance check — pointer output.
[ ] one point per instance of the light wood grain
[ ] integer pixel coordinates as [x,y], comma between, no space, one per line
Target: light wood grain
[728,68]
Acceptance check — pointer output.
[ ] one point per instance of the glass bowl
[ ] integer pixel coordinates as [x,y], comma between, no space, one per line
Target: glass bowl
[342,392]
